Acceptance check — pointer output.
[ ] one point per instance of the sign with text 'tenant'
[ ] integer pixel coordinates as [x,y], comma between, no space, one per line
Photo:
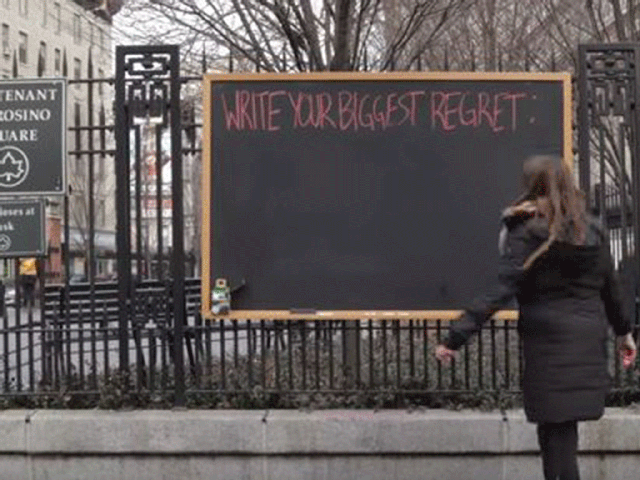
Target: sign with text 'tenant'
[32,137]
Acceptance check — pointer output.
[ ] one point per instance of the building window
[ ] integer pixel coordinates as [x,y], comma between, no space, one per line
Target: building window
[57,15]
[57,62]
[77,70]
[6,48]
[23,7]
[43,56]
[103,267]
[91,39]
[103,141]
[101,38]
[23,48]
[100,84]
[102,212]
[101,170]
[77,120]
[77,29]
[45,12]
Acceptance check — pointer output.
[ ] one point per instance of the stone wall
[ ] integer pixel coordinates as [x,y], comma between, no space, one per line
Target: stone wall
[281,445]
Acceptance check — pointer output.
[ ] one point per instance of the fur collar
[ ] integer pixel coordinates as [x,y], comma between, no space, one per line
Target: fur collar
[525,210]
[529,213]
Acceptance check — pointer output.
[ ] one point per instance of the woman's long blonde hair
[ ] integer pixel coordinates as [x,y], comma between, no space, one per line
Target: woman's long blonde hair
[550,191]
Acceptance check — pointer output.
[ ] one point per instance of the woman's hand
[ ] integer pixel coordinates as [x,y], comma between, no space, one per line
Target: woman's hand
[443,354]
[628,350]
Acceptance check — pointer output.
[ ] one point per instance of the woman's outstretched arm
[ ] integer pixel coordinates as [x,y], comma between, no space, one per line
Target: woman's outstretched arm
[517,248]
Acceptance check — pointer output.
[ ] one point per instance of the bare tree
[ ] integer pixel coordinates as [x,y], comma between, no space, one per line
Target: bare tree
[599,21]
[283,36]
[80,213]
[300,35]
[505,35]
[103,183]
[544,35]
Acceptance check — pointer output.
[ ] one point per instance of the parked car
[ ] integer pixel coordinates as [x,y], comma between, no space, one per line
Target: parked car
[10,296]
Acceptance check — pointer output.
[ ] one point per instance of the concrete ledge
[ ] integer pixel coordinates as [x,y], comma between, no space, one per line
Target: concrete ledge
[327,444]
[285,432]
[145,432]
[394,431]
[13,430]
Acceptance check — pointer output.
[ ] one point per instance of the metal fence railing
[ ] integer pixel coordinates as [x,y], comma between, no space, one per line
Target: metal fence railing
[119,343]
[74,358]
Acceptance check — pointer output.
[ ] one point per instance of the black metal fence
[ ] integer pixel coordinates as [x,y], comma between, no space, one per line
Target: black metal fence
[73,359]
[138,338]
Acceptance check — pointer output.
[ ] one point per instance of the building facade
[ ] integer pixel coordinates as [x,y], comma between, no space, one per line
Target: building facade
[56,38]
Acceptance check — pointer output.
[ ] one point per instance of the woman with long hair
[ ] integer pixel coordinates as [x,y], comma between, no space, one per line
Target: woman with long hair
[555,260]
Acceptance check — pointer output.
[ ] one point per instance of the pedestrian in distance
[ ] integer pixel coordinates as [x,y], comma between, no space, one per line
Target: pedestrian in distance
[28,279]
[555,260]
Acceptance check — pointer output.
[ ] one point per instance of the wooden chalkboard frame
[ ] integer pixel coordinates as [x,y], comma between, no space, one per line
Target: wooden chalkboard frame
[208,80]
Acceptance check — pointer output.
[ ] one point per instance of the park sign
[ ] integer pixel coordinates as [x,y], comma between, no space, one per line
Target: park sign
[22,228]
[32,137]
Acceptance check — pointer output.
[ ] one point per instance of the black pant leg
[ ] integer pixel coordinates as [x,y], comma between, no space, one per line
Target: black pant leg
[559,448]
[543,436]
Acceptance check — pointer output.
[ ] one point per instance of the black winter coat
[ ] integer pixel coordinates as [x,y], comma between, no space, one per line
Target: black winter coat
[566,300]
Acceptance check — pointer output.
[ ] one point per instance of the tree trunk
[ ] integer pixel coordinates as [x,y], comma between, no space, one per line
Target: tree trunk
[340,61]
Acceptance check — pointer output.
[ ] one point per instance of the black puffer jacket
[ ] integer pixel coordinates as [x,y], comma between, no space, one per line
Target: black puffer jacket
[566,299]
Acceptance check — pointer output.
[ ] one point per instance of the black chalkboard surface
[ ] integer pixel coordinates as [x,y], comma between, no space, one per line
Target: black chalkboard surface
[367,193]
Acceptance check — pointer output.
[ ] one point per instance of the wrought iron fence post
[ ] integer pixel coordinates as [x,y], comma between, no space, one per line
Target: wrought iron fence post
[351,340]
[177,259]
[635,138]
[583,123]
[91,270]
[122,207]
[609,97]
[148,92]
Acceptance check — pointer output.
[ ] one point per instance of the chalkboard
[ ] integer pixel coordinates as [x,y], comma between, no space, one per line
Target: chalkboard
[366,194]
